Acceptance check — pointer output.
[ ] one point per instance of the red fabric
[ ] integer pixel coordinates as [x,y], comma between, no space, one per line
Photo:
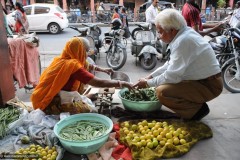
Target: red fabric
[120,151]
[24,61]
[18,27]
[81,75]
[123,152]
[192,16]
[18,24]
[115,15]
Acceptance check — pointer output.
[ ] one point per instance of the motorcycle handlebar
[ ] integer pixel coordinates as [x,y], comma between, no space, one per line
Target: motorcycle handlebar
[74,28]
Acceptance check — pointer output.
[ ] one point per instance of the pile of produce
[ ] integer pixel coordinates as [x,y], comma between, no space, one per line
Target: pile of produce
[36,152]
[161,139]
[83,130]
[145,94]
[7,116]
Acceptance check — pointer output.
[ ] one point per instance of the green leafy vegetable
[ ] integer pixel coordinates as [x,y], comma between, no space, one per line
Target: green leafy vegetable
[7,116]
[146,94]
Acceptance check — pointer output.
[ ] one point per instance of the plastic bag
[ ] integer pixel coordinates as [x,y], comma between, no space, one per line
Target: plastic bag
[36,116]
[74,96]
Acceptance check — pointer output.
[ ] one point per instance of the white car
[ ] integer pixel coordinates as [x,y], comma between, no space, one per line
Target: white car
[43,17]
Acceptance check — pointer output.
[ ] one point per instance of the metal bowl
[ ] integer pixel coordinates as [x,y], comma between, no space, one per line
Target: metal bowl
[139,106]
[120,76]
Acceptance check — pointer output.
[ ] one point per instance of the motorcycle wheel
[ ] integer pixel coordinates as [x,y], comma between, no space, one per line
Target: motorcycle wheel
[98,29]
[229,79]
[149,64]
[117,59]
[134,32]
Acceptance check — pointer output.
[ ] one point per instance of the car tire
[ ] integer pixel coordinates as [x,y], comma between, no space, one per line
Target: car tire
[54,28]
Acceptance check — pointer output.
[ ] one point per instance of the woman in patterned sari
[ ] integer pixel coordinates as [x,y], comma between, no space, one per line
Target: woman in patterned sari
[21,25]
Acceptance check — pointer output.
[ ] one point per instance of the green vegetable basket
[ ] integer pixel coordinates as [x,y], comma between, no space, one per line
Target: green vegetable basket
[86,146]
[139,106]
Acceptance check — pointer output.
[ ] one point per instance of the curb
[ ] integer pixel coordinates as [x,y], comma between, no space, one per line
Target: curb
[108,24]
[103,24]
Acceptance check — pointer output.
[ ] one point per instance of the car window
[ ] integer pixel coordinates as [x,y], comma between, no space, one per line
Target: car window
[41,10]
[28,10]
[59,9]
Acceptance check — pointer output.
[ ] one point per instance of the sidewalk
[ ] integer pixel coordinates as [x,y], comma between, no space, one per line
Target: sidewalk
[223,119]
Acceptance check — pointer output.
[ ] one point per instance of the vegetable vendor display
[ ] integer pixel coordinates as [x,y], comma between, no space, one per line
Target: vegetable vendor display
[37,152]
[161,139]
[7,116]
[145,94]
[83,130]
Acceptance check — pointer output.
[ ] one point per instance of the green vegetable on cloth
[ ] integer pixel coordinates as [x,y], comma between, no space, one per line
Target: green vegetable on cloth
[154,139]
[7,116]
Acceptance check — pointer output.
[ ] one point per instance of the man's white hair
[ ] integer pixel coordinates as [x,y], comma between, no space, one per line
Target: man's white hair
[86,43]
[170,19]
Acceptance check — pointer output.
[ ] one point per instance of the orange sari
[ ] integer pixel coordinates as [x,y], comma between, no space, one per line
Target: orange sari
[58,73]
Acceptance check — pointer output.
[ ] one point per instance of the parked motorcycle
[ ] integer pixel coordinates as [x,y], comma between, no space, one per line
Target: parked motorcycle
[84,32]
[105,17]
[116,52]
[143,46]
[95,32]
[231,68]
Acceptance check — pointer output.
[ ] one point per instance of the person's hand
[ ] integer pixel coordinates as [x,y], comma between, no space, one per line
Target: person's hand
[219,26]
[149,77]
[142,83]
[109,71]
[127,85]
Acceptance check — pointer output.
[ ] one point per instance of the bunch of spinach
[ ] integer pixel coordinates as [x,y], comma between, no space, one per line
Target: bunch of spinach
[145,94]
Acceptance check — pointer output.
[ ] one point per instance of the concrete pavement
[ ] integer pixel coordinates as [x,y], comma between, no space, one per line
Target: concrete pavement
[223,119]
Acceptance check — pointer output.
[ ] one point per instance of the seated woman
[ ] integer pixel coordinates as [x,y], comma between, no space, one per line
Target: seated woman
[69,73]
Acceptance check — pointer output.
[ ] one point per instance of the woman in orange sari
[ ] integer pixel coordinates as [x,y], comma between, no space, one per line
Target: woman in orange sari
[68,74]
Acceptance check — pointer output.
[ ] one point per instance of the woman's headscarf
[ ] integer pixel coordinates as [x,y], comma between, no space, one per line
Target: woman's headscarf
[20,6]
[58,73]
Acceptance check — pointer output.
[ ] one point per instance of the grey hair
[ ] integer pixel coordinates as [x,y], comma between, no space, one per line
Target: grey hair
[170,19]
[86,43]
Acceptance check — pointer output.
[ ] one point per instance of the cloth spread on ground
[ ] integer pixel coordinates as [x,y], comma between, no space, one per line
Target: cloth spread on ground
[24,61]
[195,131]
[39,128]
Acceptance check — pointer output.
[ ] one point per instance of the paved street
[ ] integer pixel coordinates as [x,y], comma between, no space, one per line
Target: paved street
[223,119]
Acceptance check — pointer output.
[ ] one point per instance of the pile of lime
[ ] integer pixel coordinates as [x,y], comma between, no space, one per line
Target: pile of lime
[38,153]
[152,134]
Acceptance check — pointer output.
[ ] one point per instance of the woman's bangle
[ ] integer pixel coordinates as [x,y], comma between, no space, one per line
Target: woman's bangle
[120,84]
[93,68]
[147,86]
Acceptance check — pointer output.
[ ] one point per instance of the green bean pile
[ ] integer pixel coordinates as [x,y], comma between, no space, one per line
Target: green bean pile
[83,130]
[7,116]
[145,94]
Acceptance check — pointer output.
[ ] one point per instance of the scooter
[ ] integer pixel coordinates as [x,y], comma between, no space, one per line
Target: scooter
[95,32]
[143,46]
[84,33]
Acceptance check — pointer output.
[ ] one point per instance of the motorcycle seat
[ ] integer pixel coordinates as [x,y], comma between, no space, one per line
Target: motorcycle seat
[84,29]
[145,25]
